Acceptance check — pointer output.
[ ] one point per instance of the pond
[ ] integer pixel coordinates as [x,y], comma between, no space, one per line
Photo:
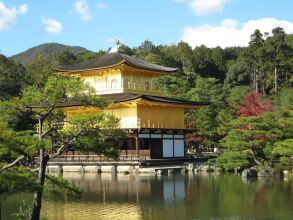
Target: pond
[178,196]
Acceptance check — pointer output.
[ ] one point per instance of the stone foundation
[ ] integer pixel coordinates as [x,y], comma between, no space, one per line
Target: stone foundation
[92,169]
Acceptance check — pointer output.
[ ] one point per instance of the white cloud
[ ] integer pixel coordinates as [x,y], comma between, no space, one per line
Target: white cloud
[52,26]
[204,7]
[82,8]
[23,9]
[102,5]
[8,16]
[231,32]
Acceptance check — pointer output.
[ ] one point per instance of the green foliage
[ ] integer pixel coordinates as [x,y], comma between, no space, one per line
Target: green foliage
[18,179]
[236,95]
[262,138]
[12,78]
[284,99]
[15,143]
[231,160]
[237,74]
[205,90]
[24,212]
[283,148]
[38,71]
[82,132]
[96,126]
[56,185]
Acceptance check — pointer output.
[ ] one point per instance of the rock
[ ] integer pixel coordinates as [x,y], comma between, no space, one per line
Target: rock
[286,172]
[206,168]
[122,169]
[159,172]
[268,173]
[249,173]
[183,171]
[125,172]
[189,167]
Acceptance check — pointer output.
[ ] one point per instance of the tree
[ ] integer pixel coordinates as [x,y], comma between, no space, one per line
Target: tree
[283,149]
[185,53]
[64,58]
[146,48]
[38,71]
[206,90]
[12,78]
[255,104]
[230,111]
[82,133]
[237,74]
[262,134]
[125,49]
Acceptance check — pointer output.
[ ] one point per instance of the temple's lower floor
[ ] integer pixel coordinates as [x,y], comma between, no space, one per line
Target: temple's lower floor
[145,144]
[153,143]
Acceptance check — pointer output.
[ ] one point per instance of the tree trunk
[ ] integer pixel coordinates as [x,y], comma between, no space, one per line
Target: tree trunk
[41,180]
[276,80]
[41,177]
[255,159]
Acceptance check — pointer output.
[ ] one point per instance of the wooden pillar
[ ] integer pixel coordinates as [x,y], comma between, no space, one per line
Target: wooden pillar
[137,146]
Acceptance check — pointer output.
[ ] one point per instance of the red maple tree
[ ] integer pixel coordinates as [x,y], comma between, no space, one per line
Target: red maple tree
[255,104]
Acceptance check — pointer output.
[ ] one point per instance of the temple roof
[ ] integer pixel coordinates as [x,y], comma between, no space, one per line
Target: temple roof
[114,59]
[124,97]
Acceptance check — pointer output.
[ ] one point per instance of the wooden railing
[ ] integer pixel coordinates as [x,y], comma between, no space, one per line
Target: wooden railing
[145,88]
[124,157]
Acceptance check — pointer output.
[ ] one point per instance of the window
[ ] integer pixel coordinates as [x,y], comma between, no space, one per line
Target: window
[113,84]
[126,84]
[147,86]
[127,144]
[144,144]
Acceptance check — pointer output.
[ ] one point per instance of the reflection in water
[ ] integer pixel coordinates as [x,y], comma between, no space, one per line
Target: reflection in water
[189,196]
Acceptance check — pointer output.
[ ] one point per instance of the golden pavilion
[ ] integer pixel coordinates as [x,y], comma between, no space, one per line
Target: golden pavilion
[154,124]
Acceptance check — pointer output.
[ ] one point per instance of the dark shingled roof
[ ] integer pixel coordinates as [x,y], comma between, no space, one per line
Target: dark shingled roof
[123,97]
[114,59]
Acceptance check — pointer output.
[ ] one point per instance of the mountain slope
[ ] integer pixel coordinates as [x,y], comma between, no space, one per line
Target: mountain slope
[46,50]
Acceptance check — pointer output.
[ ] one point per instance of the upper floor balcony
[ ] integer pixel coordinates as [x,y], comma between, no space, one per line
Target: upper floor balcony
[146,88]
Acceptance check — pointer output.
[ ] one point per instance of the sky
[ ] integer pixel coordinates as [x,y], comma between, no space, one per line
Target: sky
[95,24]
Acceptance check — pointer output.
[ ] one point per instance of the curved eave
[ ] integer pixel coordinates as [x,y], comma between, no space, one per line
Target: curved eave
[113,66]
[146,102]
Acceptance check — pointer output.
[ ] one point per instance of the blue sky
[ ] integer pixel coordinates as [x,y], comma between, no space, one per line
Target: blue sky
[94,24]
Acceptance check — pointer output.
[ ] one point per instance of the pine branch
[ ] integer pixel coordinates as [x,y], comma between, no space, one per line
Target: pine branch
[12,164]
[66,146]
[47,132]
[63,184]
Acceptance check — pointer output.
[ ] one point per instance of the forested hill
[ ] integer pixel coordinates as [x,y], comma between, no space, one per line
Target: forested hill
[46,50]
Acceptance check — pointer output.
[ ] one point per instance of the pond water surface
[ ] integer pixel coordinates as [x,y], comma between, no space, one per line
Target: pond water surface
[180,196]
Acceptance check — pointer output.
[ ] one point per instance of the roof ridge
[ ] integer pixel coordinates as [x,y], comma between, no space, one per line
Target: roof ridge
[113,59]
[120,55]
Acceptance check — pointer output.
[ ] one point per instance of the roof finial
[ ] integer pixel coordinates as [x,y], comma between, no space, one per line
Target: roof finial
[117,42]
[115,49]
